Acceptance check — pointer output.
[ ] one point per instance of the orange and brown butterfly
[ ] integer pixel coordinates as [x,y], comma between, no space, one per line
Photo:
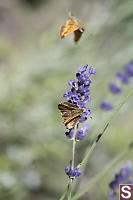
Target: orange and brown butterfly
[72,25]
[71,113]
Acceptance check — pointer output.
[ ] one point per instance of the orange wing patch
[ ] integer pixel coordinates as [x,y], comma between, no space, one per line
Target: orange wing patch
[72,25]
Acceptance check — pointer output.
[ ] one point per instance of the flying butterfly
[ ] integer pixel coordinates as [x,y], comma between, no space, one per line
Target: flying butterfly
[72,25]
[71,113]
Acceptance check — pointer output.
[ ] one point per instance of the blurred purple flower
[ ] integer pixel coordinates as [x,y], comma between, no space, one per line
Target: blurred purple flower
[111,195]
[123,77]
[129,68]
[106,106]
[125,175]
[115,88]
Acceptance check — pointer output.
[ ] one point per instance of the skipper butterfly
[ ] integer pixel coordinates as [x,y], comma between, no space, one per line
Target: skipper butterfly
[71,113]
[72,25]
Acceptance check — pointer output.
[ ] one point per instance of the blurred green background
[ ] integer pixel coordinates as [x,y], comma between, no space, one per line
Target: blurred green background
[35,66]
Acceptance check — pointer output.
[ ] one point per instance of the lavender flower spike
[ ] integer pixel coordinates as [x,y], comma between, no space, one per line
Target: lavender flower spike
[79,94]
[123,77]
[73,173]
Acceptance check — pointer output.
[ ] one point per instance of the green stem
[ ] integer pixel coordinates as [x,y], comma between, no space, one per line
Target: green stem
[104,128]
[101,173]
[73,158]
[69,186]
[70,189]
[80,177]
[64,193]
[74,145]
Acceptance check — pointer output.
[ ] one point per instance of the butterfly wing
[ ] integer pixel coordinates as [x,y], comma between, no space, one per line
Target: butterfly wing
[72,25]
[77,21]
[77,35]
[68,28]
[70,122]
[71,113]
[62,108]
[67,106]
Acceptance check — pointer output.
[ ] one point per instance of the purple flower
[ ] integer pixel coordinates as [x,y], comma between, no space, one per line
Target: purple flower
[106,106]
[83,118]
[92,70]
[121,176]
[114,185]
[73,84]
[129,68]
[70,133]
[111,195]
[123,77]
[67,95]
[125,172]
[115,88]
[125,175]
[83,69]
[73,173]
[80,134]
[80,90]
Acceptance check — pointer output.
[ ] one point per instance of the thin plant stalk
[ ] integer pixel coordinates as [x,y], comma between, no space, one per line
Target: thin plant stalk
[78,183]
[70,189]
[74,145]
[73,159]
[64,193]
